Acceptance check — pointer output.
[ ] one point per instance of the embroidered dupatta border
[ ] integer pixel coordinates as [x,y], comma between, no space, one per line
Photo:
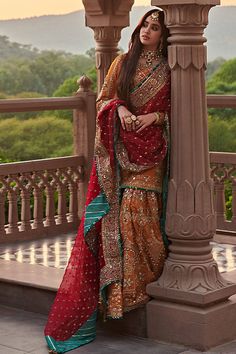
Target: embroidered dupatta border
[151,85]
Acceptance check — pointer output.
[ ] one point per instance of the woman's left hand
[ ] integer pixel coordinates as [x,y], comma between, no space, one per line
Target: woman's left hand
[144,121]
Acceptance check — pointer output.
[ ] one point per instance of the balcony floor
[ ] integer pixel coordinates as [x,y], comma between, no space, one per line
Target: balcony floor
[27,330]
[55,252]
[40,267]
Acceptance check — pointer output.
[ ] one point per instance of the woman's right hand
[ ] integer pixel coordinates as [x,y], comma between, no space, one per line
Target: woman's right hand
[125,118]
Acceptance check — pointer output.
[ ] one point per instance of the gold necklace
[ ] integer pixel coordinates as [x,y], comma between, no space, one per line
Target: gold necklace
[149,56]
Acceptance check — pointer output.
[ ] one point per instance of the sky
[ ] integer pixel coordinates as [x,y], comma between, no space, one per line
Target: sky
[10,9]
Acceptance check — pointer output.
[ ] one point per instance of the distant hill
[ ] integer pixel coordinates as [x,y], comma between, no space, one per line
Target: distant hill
[68,32]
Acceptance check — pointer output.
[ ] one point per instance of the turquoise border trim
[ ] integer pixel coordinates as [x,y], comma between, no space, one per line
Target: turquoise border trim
[85,335]
[95,211]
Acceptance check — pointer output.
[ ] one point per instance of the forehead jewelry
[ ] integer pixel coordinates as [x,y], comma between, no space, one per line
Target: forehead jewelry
[155,16]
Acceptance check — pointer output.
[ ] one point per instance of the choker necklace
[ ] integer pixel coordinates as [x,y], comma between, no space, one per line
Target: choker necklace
[149,56]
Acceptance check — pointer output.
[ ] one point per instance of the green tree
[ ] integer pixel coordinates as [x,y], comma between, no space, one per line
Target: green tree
[222,135]
[69,88]
[223,82]
[9,50]
[35,138]
[213,66]
[44,73]
[91,53]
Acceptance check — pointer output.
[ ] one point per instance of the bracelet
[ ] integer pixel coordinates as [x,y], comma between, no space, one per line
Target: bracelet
[158,117]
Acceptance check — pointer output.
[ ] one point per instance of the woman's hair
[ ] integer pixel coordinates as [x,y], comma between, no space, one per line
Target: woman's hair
[131,59]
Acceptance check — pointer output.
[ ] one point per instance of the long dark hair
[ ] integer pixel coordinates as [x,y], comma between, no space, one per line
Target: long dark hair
[131,59]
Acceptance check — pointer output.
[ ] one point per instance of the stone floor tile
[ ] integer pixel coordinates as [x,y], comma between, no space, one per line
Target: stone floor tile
[7,350]
[21,332]
[229,348]
[55,252]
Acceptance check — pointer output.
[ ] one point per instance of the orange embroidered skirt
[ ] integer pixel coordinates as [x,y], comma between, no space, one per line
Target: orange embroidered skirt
[143,248]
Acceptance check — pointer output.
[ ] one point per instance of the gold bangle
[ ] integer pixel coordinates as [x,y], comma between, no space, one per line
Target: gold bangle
[158,117]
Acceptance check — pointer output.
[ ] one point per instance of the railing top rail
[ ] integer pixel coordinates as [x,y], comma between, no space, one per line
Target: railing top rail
[41,104]
[77,102]
[223,157]
[39,165]
[221,101]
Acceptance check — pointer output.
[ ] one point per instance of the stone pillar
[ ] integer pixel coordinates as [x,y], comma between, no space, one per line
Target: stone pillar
[191,297]
[106,18]
[84,126]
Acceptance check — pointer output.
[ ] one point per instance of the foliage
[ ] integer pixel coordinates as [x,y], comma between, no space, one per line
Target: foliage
[222,137]
[43,74]
[213,66]
[69,88]
[91,53]
[223,82]
[14,50]
[21,115]
[226,73]
[228,200]
[35,138]
[222,134]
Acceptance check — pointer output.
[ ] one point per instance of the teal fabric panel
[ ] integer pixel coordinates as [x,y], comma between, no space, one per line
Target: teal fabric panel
[84,335]
[95,211]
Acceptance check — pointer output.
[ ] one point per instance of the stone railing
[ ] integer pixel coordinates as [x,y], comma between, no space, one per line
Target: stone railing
[223,173]
[46,197]
[39,197]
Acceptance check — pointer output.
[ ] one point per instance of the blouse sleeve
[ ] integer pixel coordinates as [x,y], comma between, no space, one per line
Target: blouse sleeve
[109,88]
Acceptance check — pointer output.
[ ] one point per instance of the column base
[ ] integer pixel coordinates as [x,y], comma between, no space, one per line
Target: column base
[200,328]
[204,299]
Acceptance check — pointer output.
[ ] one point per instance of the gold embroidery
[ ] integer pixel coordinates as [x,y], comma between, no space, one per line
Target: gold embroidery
[150,86]
[143,251]
[108,91]
[150,179]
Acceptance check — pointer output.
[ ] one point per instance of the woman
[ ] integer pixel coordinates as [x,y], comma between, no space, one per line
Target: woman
[119,248]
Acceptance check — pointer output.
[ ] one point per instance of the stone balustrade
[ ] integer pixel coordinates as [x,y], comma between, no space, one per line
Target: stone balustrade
[223,173]
[46,197]
[39,198]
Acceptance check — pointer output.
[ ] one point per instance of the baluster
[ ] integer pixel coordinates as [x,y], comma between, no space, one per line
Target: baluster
[25,211]
[12,212]
[38,208]
[220,204]
[2,214]
[61,204]
[73,206]
[234,203]
[50,206]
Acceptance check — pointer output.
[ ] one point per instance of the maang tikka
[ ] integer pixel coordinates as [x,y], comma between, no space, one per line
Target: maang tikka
[155,15]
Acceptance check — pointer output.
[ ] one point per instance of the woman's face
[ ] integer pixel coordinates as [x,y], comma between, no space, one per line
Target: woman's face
[150,34]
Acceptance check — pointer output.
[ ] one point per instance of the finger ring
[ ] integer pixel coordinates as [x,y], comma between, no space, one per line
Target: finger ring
[137,122]
[133,117]
[128,120]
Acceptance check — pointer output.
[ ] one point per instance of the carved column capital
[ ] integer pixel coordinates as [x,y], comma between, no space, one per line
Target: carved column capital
[107,13]
[107,19]
[186,20]
[186,15]
[107,39]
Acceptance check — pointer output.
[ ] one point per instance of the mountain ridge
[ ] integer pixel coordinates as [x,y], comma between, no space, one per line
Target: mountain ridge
[68,32]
